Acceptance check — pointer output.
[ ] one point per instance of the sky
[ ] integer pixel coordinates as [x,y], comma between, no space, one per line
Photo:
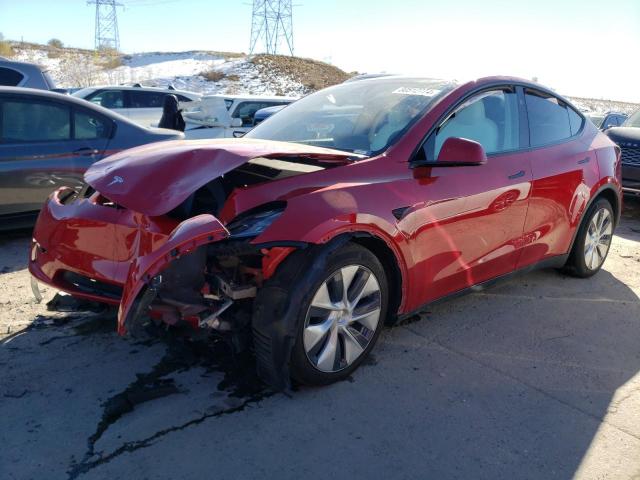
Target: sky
[577,47]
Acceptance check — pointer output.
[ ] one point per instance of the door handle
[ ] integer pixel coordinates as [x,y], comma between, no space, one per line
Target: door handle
[584,160]
[85,151]
[516,175]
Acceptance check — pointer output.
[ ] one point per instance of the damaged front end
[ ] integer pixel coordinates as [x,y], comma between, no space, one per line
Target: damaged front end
[159,231]
[204,277]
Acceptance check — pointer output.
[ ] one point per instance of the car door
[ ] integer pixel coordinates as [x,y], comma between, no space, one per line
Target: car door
[564,170]
[145,108]
[468,225]
[39,151]
[113,99]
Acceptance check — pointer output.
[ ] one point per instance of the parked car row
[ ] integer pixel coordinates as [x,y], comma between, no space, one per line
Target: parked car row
[48,140]
[142,105]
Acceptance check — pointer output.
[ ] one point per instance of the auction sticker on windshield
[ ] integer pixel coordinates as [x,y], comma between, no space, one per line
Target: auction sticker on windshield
[425,92]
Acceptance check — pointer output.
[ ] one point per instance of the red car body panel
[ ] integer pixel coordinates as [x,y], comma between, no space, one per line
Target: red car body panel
[447,228]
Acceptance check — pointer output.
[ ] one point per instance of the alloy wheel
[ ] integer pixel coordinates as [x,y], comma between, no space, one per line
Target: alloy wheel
[342,318]
[598,239]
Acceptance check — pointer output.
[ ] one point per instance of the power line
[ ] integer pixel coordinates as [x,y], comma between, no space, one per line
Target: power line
[106,34]
[271,26]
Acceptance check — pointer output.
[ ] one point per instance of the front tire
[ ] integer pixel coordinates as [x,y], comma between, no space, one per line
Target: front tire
[338,317]
[593,240]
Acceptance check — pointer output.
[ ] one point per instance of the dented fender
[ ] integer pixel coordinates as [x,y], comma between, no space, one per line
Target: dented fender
[185,238]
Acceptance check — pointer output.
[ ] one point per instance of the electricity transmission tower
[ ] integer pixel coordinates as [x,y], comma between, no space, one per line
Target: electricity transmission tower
[107,35]
[271,26]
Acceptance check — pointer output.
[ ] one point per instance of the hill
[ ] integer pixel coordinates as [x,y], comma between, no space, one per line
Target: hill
[209,72]
[199,71]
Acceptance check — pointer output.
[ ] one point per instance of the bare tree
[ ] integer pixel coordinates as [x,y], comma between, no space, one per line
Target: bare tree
[78,70]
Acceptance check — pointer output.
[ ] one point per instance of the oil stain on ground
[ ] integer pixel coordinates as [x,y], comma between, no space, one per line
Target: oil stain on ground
[214,355]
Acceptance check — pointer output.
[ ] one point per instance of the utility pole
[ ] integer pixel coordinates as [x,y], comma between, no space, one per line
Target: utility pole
[106,36]
[271,26]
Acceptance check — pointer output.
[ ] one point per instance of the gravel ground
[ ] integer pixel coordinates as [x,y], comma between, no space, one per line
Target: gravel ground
[538,377]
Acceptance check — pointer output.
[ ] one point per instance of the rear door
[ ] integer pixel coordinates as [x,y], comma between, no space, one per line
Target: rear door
[145,108]
[469,224]
[564,170]
[44,144]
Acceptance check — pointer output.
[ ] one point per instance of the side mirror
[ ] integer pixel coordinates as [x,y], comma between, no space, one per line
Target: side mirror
[236,122]
[461,151]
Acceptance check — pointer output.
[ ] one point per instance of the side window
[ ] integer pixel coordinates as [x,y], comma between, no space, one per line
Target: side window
[575,120]
[246,111]
[34,121]
[182,98]
[10,77]
[620,120]
[108,98]
[548,118]
[147,99]
[490,118]
[88,126]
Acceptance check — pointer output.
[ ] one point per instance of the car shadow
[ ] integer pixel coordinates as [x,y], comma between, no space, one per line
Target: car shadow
[534,378]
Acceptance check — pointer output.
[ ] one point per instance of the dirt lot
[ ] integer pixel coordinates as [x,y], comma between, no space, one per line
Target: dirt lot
[538,377]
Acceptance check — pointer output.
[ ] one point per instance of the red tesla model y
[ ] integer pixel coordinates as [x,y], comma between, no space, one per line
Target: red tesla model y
[351,208]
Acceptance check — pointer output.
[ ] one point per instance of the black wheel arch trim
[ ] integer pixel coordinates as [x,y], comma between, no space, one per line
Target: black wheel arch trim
[617,210]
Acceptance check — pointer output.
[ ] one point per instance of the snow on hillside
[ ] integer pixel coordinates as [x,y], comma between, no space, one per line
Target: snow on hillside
[228,73]
[237,75]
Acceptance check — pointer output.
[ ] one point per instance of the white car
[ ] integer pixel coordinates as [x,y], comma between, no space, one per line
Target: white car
[219,116]
[142,105]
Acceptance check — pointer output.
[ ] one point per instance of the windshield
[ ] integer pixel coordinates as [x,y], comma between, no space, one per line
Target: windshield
[633,120]
[364,117]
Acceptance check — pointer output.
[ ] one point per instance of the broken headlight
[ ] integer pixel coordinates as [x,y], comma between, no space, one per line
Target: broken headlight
[253,224]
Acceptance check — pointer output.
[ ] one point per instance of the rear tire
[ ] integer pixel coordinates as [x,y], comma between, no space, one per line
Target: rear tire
[593,241]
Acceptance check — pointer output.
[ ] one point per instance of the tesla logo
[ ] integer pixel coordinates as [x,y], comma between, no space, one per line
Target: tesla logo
[116,179]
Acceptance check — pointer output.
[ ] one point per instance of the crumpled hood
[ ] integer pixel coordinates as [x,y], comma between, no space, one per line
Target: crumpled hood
[154,179]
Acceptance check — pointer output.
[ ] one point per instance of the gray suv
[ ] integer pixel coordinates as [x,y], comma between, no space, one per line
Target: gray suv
[48,140]
[21,74]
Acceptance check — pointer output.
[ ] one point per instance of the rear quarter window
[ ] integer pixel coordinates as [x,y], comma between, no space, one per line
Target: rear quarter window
[548,118]
[10,77]
[575,120]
